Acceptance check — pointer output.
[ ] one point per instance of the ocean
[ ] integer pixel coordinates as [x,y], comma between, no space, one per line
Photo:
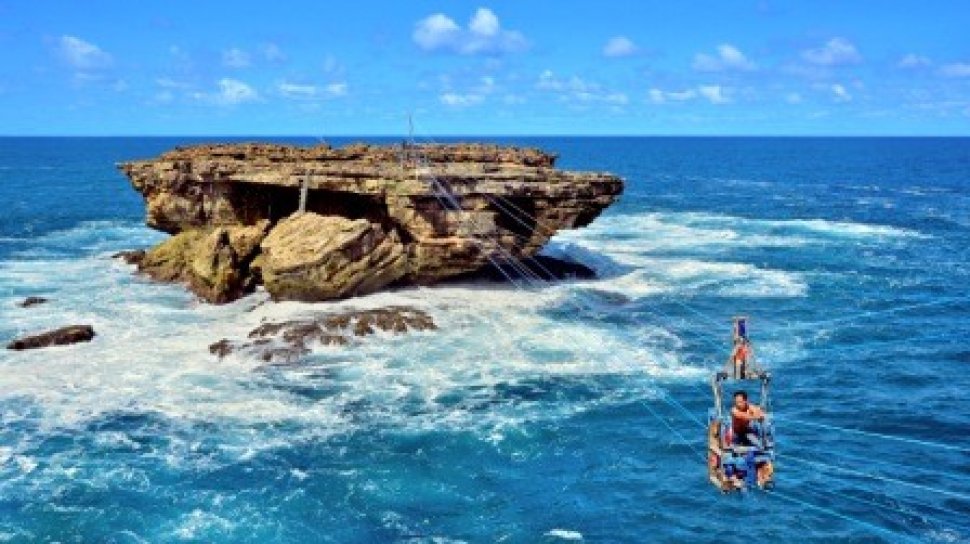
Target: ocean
[548,413]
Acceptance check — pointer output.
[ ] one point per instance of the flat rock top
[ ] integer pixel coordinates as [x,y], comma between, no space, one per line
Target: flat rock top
[264,153]
[369,167]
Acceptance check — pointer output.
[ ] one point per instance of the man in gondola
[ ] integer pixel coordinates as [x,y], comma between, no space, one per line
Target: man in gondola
[740,355]
[745,418]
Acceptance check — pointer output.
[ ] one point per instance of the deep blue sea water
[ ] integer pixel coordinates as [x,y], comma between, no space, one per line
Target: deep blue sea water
[528,417]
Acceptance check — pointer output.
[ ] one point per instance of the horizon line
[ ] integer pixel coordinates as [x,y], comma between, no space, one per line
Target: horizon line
[495,135]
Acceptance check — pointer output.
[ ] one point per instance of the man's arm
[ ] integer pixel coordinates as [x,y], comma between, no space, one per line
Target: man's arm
[754,413]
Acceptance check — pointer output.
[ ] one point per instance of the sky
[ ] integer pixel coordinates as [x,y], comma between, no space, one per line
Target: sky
[490,67]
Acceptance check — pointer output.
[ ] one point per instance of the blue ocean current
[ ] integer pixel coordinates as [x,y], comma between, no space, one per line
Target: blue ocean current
[538,416]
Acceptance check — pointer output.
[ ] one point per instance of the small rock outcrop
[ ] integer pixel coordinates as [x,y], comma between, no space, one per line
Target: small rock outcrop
[31,301]
[374,215]
[289,340]
[57,337]
[130,256]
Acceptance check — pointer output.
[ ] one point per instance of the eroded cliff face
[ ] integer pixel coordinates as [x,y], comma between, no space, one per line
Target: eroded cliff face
[375,215]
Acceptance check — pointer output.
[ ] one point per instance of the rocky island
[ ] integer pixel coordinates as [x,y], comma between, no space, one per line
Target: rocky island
[322,223]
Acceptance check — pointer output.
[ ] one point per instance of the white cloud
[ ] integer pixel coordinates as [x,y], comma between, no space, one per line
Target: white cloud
[336,89]
[332,67]
[436,31]
[471,97]
[835,52]
[620,99]
[230,92]
[82,55]
[793,98]
[484,35]
[680,96]
[233,91]
[577,89]
[296,90]
[461,100]
[619,46]
[484,23]
[728,57]
[712,93]
[272,52]
[235,58]
[957,69]
[169,83]
[913,60]
[548,82]
[615,98]
[715,94]
[840,94]
[304,91]
[658,96]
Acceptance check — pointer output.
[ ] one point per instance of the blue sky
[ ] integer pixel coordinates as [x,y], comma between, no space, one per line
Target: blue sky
[487,67]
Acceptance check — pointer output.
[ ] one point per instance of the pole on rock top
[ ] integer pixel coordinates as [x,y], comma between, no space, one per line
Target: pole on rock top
[304,188]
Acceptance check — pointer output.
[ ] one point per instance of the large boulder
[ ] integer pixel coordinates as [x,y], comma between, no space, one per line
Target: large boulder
[213,262]
[313,257]
[57,337]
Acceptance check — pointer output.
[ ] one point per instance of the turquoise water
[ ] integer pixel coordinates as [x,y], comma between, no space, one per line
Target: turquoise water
[528,417]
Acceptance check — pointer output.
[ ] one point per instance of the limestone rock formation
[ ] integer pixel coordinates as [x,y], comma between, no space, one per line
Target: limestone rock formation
[57,337]
[375,215]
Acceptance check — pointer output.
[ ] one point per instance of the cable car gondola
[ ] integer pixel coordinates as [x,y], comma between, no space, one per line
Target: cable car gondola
[741,446]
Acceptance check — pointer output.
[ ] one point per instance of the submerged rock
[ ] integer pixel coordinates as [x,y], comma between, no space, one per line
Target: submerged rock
[374,217]
[57,337]
[221,348]
[287,341]
[31,301]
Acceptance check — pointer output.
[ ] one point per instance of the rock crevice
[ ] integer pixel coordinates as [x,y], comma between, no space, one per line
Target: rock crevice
[374,216]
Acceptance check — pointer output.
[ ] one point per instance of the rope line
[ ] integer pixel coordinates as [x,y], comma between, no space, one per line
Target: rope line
[953,494]
[938,302]
[915,441]
[909,503]
[876,528]
[673,430]
[672,401]
[886,465]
